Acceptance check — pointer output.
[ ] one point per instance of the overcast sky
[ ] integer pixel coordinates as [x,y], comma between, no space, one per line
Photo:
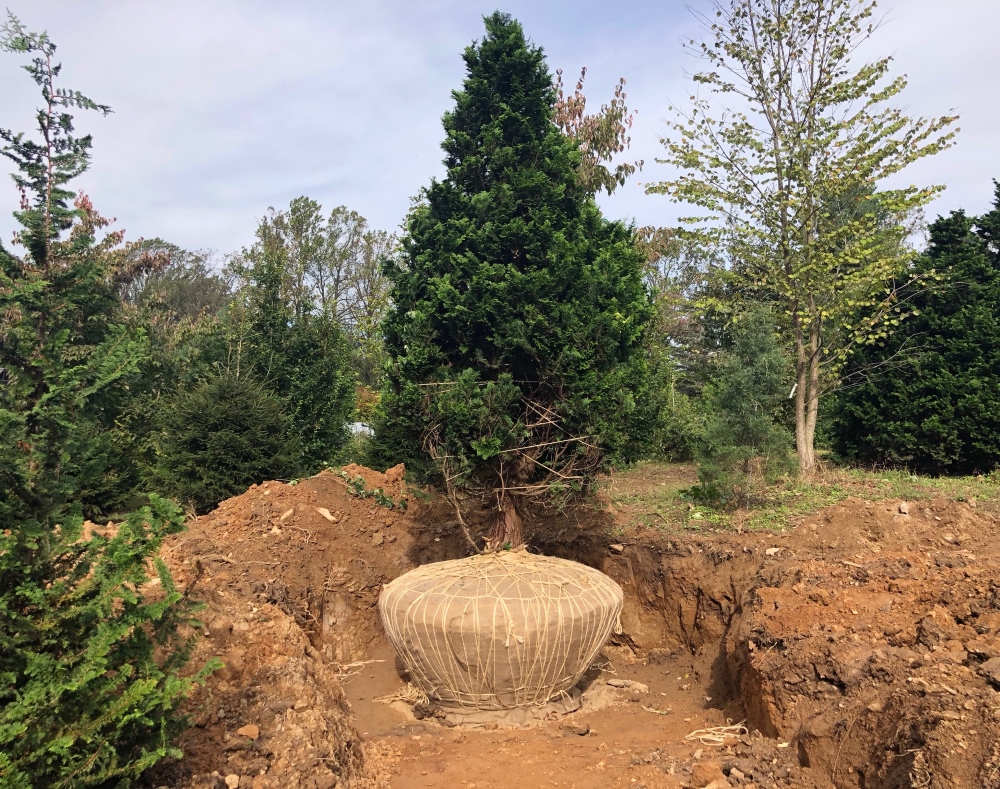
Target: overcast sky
[225,107]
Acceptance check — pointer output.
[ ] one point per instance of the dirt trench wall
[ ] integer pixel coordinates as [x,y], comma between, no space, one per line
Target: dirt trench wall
[868,639]
[675,601]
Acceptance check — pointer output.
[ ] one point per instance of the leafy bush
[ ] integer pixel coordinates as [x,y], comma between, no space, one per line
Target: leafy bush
[294,345]
[667,423]
[928,397]
[744,446]
[89,653]
[221,437]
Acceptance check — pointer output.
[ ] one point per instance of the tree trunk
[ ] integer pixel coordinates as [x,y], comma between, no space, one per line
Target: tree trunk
[812,400]
[803,446]
[506,526]
[806,396]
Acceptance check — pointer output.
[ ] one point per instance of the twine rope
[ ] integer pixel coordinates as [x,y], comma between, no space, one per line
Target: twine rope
[500,630]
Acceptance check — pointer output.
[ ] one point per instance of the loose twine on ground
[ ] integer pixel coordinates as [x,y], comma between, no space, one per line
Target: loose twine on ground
[411,694]
[718,735]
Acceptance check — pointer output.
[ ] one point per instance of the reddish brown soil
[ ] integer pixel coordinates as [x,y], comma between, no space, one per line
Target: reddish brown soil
[861,648]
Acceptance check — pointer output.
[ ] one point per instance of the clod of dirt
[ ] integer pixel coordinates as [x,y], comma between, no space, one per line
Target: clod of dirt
[630,685]
[991,670]
[575,729]
[706,773]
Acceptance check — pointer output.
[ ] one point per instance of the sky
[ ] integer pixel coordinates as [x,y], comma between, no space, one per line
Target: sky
[223,108]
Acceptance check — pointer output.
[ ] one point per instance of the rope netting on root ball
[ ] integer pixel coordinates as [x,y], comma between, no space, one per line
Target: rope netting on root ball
[500,631]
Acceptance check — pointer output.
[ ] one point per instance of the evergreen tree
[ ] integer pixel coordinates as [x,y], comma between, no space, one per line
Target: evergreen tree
[744,445]
[58,347]
[181,306]
[220,438]
[517,306]
[928,397]
[89,689]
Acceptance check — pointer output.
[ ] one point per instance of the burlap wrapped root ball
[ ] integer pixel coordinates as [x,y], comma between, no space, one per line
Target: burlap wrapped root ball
[502,630]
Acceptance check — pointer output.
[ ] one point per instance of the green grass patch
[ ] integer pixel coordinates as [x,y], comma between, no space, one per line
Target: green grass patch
[653,495]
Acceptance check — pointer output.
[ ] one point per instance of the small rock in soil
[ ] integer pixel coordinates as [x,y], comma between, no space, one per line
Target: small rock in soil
[326,514]
[250,730]
[577,729]
[706,773]
[991,670]
[628,684]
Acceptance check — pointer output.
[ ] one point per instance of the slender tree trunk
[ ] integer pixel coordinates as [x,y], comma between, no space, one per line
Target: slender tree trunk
[812,399]
[803,438]
[806,395]
[506,525]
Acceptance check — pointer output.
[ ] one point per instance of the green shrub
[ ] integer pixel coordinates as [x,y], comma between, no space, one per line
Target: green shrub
[89,653]
[221,437]
[667,424]
[928,397]
[744,447]
[89,656]
[295,346]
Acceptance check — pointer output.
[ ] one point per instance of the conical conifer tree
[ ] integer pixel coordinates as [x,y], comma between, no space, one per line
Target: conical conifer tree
[517,306]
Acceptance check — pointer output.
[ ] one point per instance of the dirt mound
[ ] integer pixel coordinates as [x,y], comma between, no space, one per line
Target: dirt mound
[290,575]
[875,660]
[318,550]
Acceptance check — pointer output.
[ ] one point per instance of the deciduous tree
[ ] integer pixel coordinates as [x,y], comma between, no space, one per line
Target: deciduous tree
[602,135]
[793,176]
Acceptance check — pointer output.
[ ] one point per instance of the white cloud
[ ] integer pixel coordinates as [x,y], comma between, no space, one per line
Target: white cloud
[225,108]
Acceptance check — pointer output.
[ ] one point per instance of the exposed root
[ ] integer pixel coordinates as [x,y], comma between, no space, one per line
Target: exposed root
[346,670]
[920,776]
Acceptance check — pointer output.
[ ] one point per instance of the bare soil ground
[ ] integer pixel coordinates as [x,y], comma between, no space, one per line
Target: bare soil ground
[861,648]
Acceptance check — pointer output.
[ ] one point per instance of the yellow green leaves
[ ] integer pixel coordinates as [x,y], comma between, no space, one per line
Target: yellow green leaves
[796,193]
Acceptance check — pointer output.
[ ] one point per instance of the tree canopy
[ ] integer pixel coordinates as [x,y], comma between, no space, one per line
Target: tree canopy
[792,177]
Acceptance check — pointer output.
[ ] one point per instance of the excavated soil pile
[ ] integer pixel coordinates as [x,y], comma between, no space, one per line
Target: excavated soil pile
[290,575]
[862,648]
